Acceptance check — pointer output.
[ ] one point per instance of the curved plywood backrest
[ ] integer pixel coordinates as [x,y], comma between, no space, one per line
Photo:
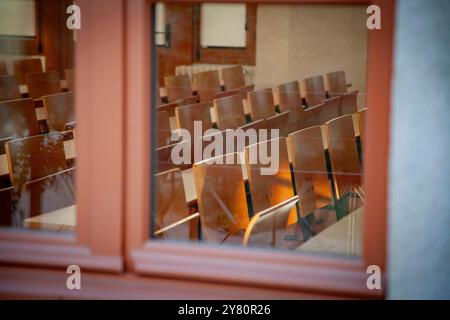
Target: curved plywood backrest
[289,96]
[233,77]
[9,88]
[163,124]
[35,157]
[252,136]
[18,119]
[48,193]
[279,121]
[173,219]
[207,84]
[70,79]
[270,179]
[25,66]
[229,112]
[60,109]
[318,115]
[261,104]
[186,115]
[221,198]
[341,141]
[336,83]
[270,228]
[314,90]
[42,84]
[310,169]
[178,87]
[3,70]
[163,159]
[349,103]
[362,123]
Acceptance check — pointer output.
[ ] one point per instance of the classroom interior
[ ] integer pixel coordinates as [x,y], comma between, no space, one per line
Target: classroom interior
[246,67]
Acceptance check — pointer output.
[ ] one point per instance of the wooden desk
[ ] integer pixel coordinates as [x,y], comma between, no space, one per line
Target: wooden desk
[64,219]
[343,238]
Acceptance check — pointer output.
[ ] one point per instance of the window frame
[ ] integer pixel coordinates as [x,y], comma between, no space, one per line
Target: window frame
[303,273]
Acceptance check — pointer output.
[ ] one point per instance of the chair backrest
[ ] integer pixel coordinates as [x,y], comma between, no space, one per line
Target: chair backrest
[279,121]
[318,115]
[207,84]
[229,112]
[349,103]
[46,194]
[9,88]
[164,133]
[256,126]
[343,151]
[261,104]
[221,199]
[60,109]
[163,160]
[336,83]
[5,181]
[270,228]
[178,87]
[18,119]
[310,169]
[24,66]
[3,70]
[186,115]
[362,123]
[314,90]
[42,84]
[171,208]
[233,77]
[35,157]
[268,188]
[233,92]
[288,95]
[70,79]
[6,206]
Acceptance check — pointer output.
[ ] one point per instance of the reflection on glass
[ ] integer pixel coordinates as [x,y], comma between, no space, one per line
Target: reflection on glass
[281,95]
[37,122]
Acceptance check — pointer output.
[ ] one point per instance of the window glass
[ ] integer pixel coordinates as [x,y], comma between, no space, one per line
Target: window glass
[264,155]
[18,18]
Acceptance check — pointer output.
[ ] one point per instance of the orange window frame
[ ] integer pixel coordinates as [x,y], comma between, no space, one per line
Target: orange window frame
[113,167]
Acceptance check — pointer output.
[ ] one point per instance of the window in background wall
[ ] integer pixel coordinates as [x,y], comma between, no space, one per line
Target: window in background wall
[223,25]
[160,24]
[17,18]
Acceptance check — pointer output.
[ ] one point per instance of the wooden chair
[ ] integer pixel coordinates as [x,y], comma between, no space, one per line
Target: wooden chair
[6,206]
[18,119]
[336,83]
[268,189]
[178,87]
[247,136]
[163,124]
[42,84]
[279,121]
[3,70]
[25,66]
[233,92]
[60,109]
[70,79]
[362,123]
[288,96]
[221,199]
[346,169]
[9,88]
[270,227]
[5,180]
[207,84]
[349,103]
[314,90]
[174,221]
[35,157]
[171,106]
[47,194]
[310,170]
[318,115]
[261,104]
[186,115]
[233,77]
[163,159]
[229,112]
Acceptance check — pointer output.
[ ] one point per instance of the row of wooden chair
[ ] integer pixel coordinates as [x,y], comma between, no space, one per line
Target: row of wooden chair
[224,208]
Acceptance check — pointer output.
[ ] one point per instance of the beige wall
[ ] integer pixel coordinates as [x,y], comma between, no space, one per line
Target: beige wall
[298,41]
